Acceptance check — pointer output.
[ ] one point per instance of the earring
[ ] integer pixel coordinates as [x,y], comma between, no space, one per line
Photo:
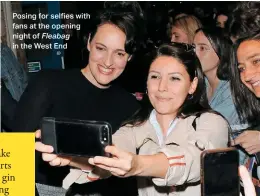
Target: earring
[146,91]
[190,96]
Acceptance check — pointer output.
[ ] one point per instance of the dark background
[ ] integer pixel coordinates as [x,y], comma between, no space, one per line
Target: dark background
[157,15]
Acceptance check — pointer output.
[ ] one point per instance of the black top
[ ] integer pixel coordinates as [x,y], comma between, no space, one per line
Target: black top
[68,94]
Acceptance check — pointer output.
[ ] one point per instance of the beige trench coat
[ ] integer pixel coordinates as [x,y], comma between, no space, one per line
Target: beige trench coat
[182,147]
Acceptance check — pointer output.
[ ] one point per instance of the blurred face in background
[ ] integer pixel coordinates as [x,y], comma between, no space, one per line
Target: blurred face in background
[205,52]
[221,20]
[248,57]
[178,35]
[107,55]
[184,27]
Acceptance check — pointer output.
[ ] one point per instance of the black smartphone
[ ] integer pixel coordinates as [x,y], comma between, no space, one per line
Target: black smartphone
[76,137]
[219,172]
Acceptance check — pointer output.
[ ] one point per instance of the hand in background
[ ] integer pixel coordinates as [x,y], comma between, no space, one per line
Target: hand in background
[247,181]
[47,153]
[249,140]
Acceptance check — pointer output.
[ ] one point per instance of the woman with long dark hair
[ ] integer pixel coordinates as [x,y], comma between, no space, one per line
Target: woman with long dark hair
[245,78]
[163,141]
[245,87]
[213,50]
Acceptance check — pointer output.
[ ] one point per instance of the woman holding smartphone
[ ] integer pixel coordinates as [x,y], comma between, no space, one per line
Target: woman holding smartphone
[162,143]
[245,86]
[87,94]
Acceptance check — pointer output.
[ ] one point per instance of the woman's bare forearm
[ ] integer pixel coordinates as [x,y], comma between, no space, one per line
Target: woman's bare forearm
[152,165]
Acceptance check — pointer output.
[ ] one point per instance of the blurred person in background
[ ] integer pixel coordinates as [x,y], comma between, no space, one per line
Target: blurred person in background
[13,74]
[13,80]
[183,28]
[221,19]
[213,50]
[244,20]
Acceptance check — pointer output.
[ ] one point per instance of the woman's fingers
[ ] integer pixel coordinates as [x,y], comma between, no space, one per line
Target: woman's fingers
[248,138]
[119,165]
[246,145]
[115,151]
[39,146]
[47,151]
[240,138]
[110,162]
[65,160]
[91,161]
[247,181]
[48,157]
[38,134]
[253,149]
[250,149]
[106,162]
[43,148]
[122,164]
[55,162]
[102,166]
[115,171]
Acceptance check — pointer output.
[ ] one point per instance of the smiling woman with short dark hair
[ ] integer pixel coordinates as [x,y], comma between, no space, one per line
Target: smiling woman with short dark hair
[86,94]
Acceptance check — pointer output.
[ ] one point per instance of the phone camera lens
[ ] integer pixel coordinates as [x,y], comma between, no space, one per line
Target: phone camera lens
[105,129]
[104,133]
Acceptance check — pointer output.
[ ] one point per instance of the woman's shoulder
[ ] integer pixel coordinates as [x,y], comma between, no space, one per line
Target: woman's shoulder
[53,77]
[214,121]
[143,126]
[210,118]
[115,88]
[123,97]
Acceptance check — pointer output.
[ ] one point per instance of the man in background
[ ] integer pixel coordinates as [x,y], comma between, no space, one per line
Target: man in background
[13,80]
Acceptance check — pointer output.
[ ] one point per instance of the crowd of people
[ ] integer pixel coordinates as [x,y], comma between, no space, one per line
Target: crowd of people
[202,92]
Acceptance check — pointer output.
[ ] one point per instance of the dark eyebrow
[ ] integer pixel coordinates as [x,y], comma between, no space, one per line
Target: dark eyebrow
[202,44]
[175,73]
[120,50]
[168,73]
[154,72]
[250,57]
[101,44]
[106,47]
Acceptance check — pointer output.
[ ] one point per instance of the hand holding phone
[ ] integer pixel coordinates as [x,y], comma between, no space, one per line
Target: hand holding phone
[76,137]
[219,172]
[47,153]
